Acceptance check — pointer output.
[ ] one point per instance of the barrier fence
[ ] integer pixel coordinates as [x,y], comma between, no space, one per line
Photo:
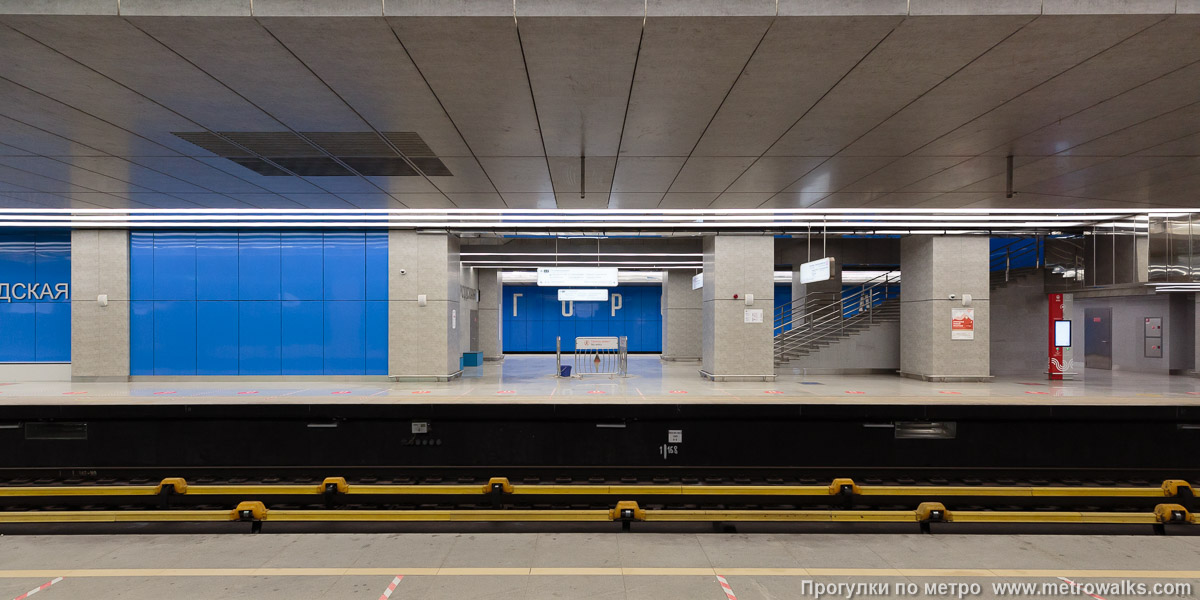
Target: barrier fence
[596,356]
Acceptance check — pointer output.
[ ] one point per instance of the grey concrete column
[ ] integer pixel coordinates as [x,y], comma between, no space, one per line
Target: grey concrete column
[99,334]
[934,268]
[423,341]
[733,349]
[681,310]
[467,301]
[490,334]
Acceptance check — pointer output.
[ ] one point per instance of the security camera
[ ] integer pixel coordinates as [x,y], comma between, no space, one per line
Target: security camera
[952,296]
[402,271]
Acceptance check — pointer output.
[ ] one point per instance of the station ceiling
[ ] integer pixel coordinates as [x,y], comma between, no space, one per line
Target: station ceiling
[671,105]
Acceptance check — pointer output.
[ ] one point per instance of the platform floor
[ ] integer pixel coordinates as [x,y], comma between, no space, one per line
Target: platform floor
[657,566]
[530,379]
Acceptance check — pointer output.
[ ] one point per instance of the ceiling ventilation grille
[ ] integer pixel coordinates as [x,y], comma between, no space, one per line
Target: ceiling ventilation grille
[323,154]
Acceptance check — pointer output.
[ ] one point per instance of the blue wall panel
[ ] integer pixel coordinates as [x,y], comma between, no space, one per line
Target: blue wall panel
[35,312]
[258,266]
[141,337]
[302,338]
[260,336]
[216,266]
[260,302]
[345,328]
[174,337]
[540,318]
[217,337]
[301,265]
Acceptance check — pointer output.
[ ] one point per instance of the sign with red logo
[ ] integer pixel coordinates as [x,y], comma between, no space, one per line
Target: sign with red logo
[962,323]
[1055,351]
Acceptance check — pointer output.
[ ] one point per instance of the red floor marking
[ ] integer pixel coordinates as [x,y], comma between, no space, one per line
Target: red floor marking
[506,392]
[725,587]
[247,392]
[1081,588]
[72,393]
[1192,393]
[391,588]
[945,392]
[1030,383]
[772,392]
[421,392]
[38,588]
[678,392]
[161,393]
[339,392]
[852,392]
[597,392]
[1032,392]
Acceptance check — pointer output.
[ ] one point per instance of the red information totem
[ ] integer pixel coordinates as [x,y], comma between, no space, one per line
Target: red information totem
[1055,352]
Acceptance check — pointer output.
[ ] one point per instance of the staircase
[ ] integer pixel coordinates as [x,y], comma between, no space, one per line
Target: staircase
[823,318]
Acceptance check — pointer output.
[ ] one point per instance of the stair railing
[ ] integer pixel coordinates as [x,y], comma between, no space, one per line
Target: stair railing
[823,316]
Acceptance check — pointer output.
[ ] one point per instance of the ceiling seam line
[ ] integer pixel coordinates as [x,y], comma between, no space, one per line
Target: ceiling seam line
[305,137]
[1088,141]
[913,101]
[445,112]
[1060,74]
[107,155]
[538,119]
[221,135]
[716,112]
[122,86]
[814,105]
[625,118]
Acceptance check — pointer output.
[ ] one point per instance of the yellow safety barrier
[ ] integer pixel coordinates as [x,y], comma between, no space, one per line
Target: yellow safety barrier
[838,487]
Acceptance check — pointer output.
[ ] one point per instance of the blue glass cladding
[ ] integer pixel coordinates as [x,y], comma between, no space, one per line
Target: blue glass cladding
[258,303]
[35,328]
[539,318]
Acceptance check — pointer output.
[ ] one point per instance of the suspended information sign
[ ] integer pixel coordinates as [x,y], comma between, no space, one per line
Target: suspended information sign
[579,295]
[577,276]
[817,270]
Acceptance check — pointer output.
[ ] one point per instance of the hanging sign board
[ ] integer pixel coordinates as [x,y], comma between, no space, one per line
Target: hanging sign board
[817,270]
[578,295]
[698,281]
[577,276]
[962,323]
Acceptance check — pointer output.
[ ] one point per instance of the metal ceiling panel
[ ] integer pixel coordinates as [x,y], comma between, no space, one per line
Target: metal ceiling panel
[573,201]
[710,173]
[1029,171]
[476,69]
[646,173]
[799,60]
[773,173]
[365,64]
[224,47]
[838,172]
[741,199]
[526,200]
[918,55]
[269,184]
[1188,145]
[424,200]
[123,53]
[49,175]
[565,173]
[1085,181]
[1156,51]
[686,67]
[902,173]
[402,185]
[580,70]
[1033,54]
[518,173]
[26,139]
[477,200]
[1145,136]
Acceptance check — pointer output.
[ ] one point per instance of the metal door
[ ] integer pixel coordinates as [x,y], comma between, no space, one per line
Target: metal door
[474,330]
[1097,338]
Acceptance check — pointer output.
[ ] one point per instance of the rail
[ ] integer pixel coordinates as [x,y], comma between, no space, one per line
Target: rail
[825,314]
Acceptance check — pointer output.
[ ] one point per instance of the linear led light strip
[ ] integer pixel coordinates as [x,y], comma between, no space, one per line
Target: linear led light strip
[599,224]
[578,254]
[1141,213]
[582,262]
[523,218]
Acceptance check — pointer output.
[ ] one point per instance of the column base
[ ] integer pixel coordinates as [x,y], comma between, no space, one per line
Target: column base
[948,378]
[717,377]
[493,358]
[99,378]
[399,378]
[666,358]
